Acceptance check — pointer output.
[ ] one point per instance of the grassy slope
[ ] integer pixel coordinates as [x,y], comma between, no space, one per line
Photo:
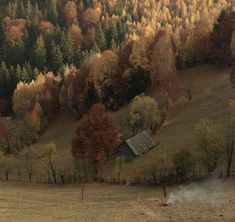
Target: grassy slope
[60,132]
[211,92]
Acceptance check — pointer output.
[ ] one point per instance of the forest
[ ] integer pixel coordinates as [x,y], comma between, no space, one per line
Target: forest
[93,57]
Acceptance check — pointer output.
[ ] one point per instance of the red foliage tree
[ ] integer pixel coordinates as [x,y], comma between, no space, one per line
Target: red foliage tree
[90,18]
[96,137]
[14,30]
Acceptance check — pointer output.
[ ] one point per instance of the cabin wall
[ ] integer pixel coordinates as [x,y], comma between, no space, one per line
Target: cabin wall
[125,151]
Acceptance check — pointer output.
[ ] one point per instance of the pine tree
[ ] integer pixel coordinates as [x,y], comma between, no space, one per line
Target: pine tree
[67,48]
[52,12]
[100,38]
[56,58]
[4,81]
[39,53]
[22,12]
[22,74]
[111,34]
[29,12]
[14,53]
[11,10]
[37,16]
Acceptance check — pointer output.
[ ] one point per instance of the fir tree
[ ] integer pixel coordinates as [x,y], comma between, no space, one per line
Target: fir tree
[39,53]
[67,48]
[100,38]
[52,12]
[56,58]
[4,81]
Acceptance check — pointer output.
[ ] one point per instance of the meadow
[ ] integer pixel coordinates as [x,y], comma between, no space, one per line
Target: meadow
[23,202]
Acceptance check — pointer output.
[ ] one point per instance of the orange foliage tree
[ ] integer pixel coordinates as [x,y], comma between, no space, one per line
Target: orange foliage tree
[96,137]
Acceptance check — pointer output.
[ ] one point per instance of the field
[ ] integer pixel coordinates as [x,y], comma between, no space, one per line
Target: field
[110,203]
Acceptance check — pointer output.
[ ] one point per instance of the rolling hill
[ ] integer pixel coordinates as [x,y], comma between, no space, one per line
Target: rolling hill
[211,92]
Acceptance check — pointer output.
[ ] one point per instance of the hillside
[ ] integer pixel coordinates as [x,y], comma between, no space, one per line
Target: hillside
[211,92]
[60,132]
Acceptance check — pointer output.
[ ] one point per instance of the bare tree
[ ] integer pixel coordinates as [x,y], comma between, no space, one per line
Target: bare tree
[30,155]
[50,158]
[230,141]
[85,172]
[119,164]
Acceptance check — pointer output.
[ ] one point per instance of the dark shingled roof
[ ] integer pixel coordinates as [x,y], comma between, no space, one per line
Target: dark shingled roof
[141,143]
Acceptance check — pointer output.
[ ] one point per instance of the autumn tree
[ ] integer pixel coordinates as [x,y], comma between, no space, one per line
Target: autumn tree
[70,11]
[230,140]
[103,73]
[29,156]
[163,62]
[50,157]
[76,35]
[90,18]
[210,144]
[184,164]
[96,137]
[232,46]
[144,114]
[6,164]
[74,92]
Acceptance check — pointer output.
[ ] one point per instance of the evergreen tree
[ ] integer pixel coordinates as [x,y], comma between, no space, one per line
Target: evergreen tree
[87,3]
[22,74]
[22,12]
[4,81]
[31,73]
[39,53]
[56,58]
[119,7]
[14,53]
[67,48]
[95,48]
[11,10]
[100,38]
[111,34]
[52,12]
[37,16]
[29,12]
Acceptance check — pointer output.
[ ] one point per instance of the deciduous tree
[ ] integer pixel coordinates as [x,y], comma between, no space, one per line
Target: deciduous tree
[96,137]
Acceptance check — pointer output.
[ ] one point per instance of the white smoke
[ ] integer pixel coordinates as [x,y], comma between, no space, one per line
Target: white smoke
[209,192]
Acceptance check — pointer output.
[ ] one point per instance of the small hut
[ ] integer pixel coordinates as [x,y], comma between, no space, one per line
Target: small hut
[136,146]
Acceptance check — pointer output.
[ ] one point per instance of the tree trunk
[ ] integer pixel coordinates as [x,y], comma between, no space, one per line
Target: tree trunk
[230,150]
[62,179]
[54,175]
[19,175]
[30,177]
[82,191]
[7,175]
[229,165]
[164,187]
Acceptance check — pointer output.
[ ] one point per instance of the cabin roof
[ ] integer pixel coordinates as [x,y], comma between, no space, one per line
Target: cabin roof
[141,143]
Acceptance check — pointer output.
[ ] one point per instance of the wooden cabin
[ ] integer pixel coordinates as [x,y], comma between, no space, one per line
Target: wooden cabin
[136,146]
